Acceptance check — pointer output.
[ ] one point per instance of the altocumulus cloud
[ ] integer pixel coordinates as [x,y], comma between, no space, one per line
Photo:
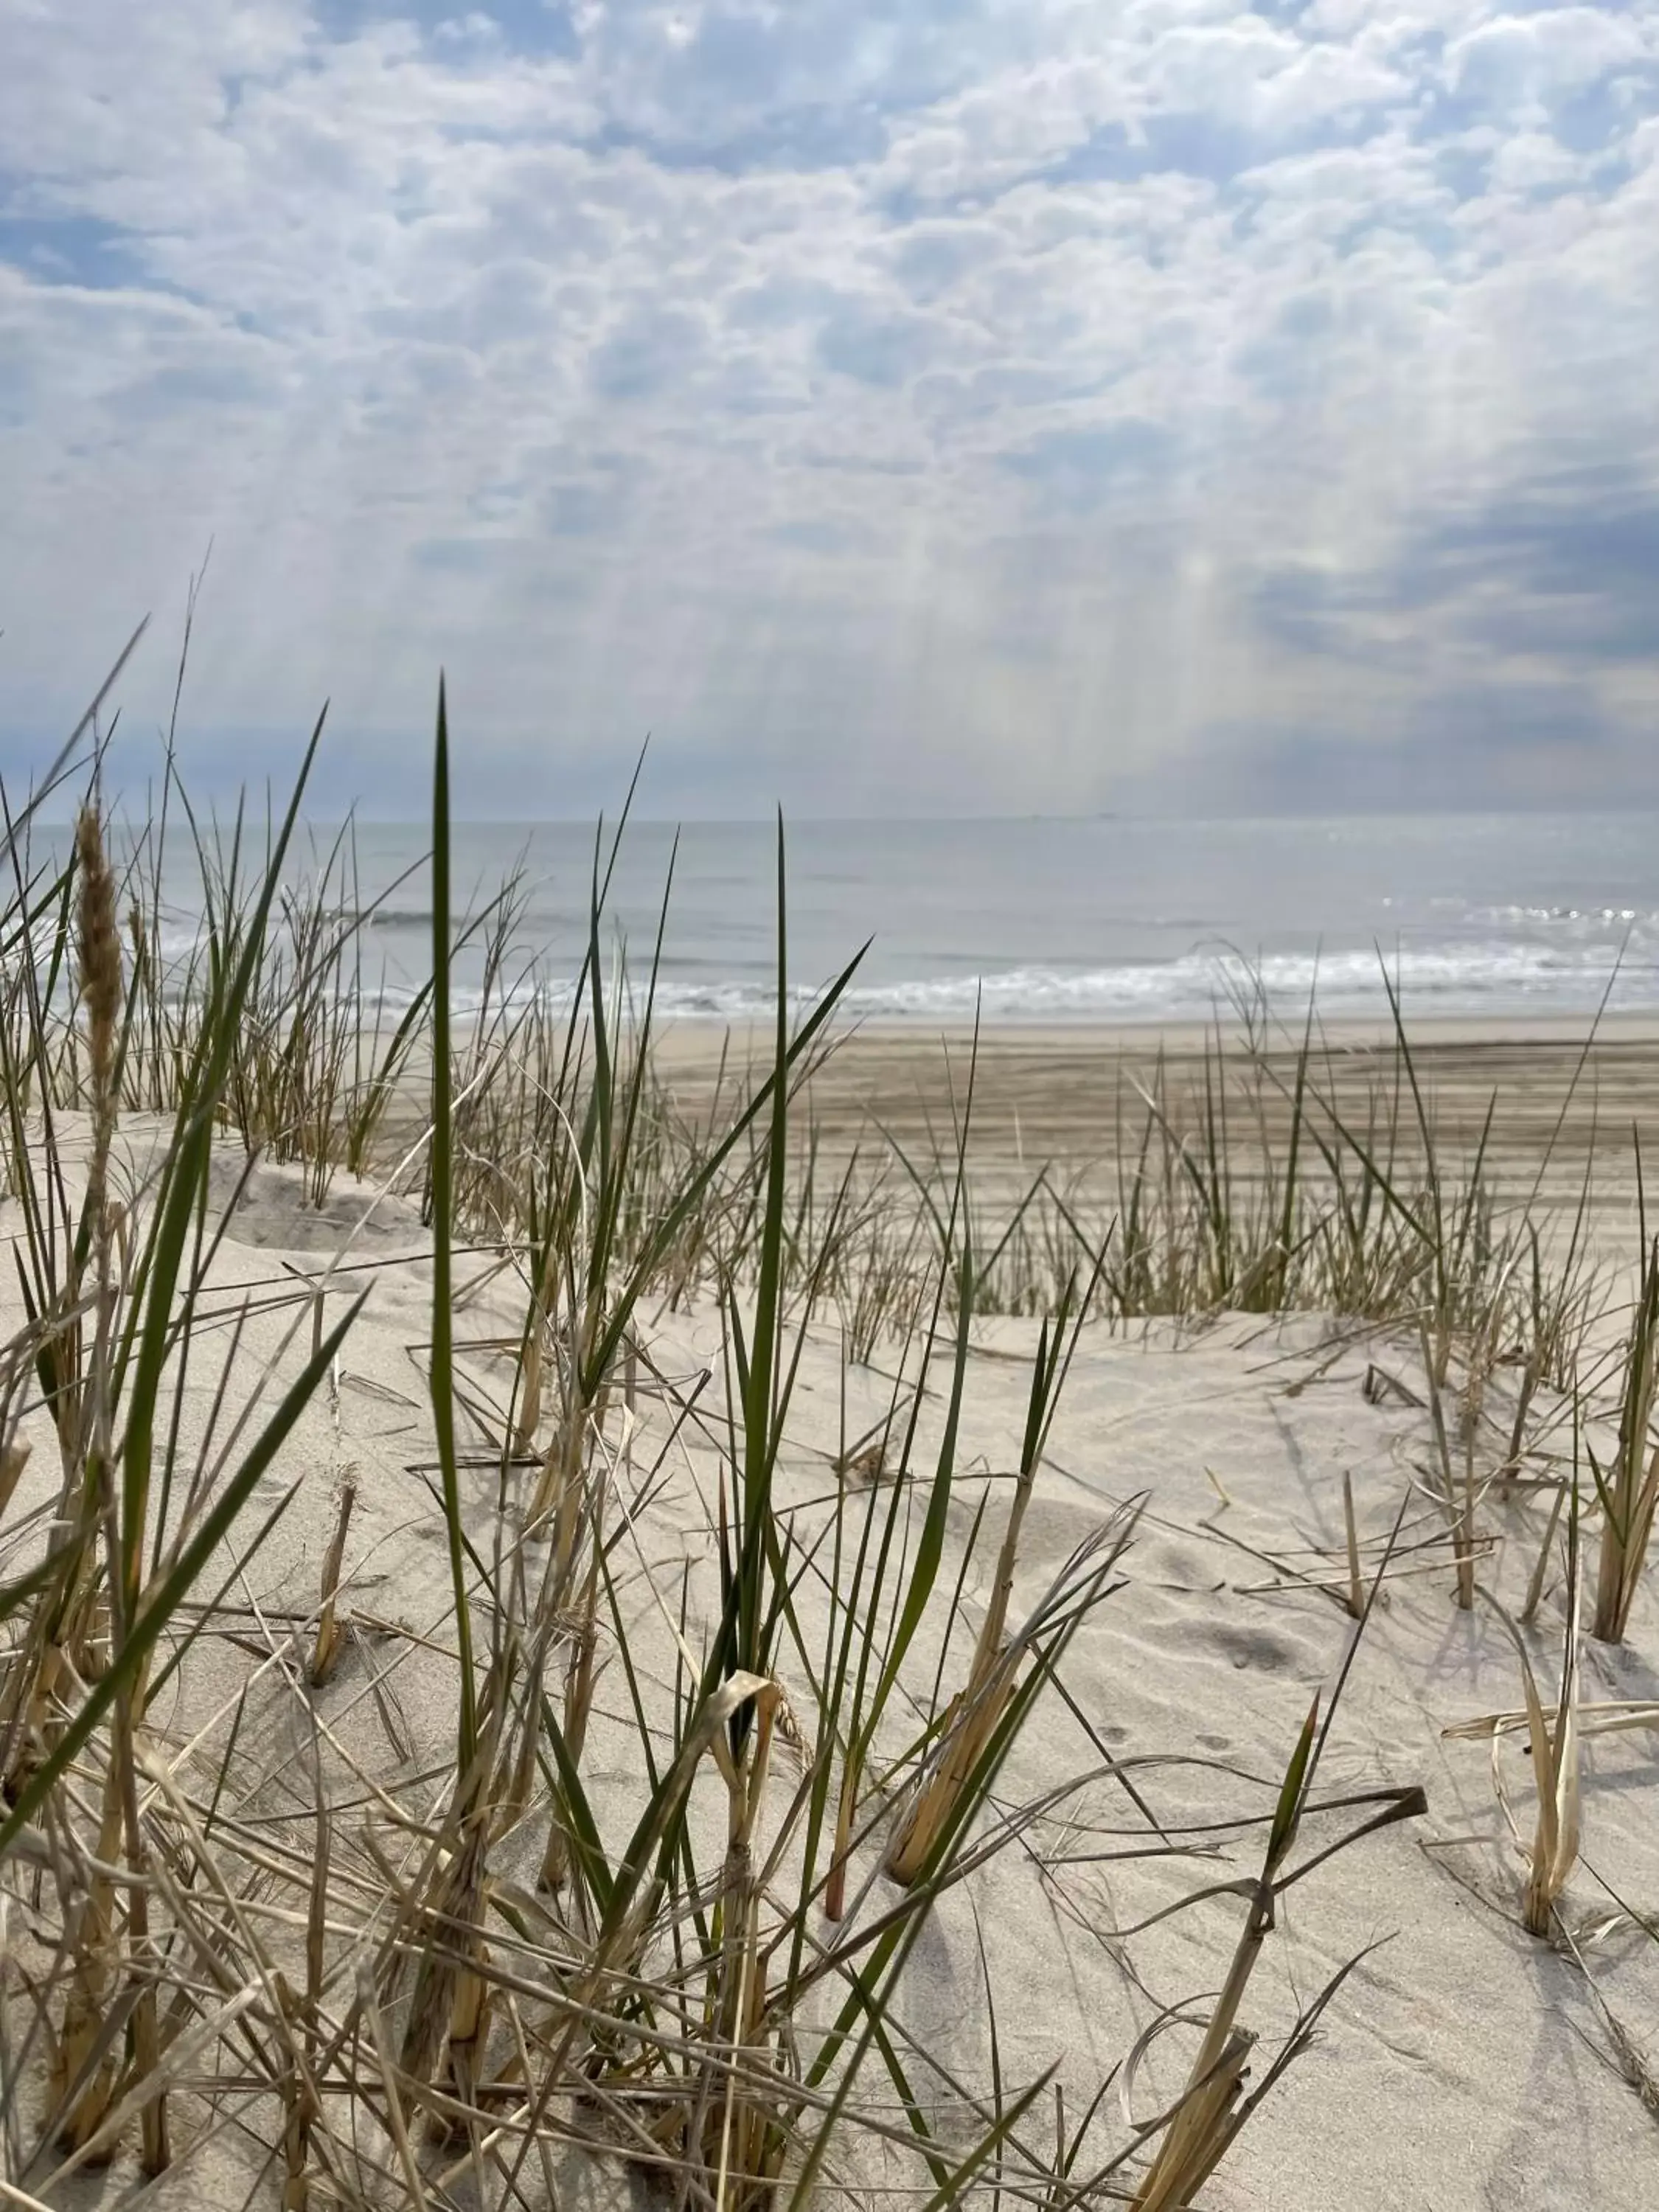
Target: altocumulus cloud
[930,405]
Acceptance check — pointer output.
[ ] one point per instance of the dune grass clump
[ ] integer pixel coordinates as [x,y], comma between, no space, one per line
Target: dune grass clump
[135,1523]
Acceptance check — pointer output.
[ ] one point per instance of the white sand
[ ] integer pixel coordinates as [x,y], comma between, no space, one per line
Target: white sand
[1462,2064]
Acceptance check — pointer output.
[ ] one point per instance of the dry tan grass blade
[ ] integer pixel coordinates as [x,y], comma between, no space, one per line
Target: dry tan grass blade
[1554,1747]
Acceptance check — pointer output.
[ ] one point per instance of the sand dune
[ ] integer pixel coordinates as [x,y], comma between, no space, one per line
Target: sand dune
[1461,2063]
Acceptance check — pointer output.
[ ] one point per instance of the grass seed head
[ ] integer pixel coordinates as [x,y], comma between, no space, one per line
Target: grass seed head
[98,951]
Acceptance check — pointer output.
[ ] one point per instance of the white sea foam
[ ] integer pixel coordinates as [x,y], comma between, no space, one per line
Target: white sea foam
[1444,979]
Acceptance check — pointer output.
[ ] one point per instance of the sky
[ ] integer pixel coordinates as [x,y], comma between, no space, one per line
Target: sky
[935,407]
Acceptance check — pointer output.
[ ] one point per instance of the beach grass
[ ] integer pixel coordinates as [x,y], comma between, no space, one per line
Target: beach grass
[649,1896]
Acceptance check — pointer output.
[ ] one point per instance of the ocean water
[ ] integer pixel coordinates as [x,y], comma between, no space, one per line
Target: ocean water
[1054,921]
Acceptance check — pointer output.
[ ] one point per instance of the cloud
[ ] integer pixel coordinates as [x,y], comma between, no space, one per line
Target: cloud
[933,406]
[1539,744]
[1084,468]
[1556,579]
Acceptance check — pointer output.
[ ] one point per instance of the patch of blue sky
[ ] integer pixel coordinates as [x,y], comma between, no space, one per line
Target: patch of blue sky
[77,250]
[1491,93]
[907,54]
[1506,81]
[1598,116]
[1207,147]
[815,86]
[1464,169]
[1215,149]
[529,26]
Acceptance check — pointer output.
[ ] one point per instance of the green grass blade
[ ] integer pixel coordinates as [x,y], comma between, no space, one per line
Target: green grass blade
[443,1335]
